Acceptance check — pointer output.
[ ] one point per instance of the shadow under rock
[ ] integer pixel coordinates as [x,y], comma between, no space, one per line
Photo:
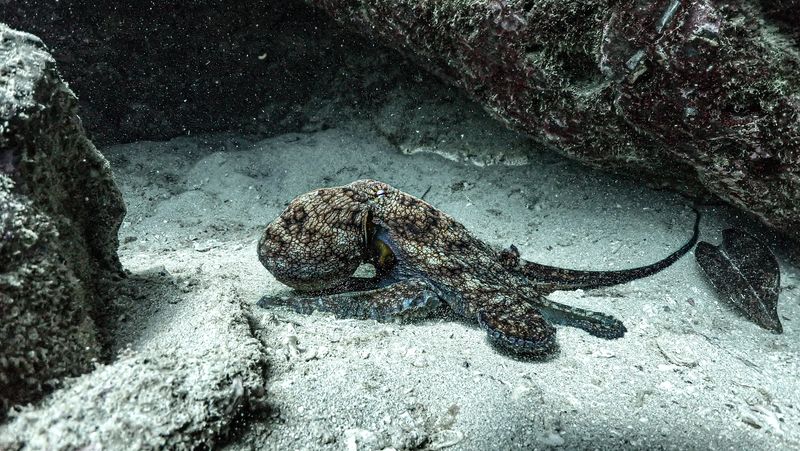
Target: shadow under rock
[138,300]
[143,305]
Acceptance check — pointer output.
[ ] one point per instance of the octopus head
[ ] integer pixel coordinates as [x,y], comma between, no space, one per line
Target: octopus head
[319,241]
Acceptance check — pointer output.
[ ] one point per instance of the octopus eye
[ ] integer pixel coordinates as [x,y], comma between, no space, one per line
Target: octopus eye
[384,257]
[380,193]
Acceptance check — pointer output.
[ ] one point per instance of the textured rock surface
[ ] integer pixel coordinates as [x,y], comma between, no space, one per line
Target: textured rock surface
[46,330]
[59,215]
[168,394]
[697,95]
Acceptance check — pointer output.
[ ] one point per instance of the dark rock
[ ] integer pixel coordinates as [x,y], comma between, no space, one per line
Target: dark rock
[783,14]
[59,216]
[189,394]
[700,96]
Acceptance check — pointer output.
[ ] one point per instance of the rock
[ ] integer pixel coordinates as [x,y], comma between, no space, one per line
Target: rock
[184,394]
[701,96]
[59,216]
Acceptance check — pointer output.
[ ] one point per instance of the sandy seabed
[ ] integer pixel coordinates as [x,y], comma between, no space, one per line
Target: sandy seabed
[689,374]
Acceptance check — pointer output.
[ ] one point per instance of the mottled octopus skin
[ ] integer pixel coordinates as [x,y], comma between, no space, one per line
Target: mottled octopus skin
[424,261]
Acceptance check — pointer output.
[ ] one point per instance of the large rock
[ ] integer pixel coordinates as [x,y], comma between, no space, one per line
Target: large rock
[59,216]
[701,95]
[185,390]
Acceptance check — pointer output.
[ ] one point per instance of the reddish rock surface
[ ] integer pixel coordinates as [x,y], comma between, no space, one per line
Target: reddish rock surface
[701,95]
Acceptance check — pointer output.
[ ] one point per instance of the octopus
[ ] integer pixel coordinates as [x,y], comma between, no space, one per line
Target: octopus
[425,264]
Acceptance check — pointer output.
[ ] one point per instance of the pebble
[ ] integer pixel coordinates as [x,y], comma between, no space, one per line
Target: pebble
[603,354]
[520,391]
[552,439]
[355,437]
[445,439]
[420,362]
[682,349]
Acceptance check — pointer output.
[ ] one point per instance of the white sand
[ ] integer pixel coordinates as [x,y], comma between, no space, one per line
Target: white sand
[689,374]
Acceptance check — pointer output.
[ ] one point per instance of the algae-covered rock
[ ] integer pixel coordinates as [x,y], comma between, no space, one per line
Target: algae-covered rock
[59,216]
[702,96]
[46,329]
